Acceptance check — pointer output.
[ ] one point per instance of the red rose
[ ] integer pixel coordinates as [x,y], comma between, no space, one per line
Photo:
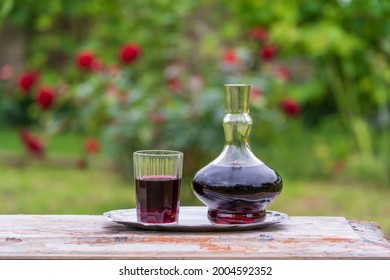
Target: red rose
[27,80]
[92,146]
[157,118]
[33,144]
[85,59]
[282,73]
[268,52]
[255,93]
[290,107]
[258,34]
[45,98]
[6,72]
[129,53]
[113,70]
[175,85]
[230,57]
[97,65]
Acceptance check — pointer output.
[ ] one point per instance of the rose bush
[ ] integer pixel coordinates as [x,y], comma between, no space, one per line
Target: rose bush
[157,80]
[109,103]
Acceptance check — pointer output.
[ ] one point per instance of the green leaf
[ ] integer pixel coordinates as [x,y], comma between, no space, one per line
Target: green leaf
[44,22]
[6,8]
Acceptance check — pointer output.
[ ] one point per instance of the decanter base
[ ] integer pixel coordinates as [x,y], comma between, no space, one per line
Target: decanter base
[227,217]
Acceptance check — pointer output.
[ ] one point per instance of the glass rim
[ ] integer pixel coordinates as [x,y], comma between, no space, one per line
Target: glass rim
[237,85]
[158,153]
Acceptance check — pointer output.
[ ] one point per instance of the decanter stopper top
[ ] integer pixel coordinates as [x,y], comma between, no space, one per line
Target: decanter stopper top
[237,98]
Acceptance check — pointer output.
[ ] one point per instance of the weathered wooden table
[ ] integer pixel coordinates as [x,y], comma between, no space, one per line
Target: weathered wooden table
[94,237]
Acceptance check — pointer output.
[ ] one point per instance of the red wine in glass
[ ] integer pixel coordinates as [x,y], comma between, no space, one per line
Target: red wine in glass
[158,199]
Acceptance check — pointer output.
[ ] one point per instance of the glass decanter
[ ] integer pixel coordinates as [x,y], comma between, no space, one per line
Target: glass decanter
[237,187]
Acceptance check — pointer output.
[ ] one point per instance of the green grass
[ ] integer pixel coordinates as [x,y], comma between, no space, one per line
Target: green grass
[63,144]
[44,190]
[9,140]
[335,198]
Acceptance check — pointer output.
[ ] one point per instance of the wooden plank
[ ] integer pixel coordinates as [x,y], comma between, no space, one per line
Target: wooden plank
[94,237]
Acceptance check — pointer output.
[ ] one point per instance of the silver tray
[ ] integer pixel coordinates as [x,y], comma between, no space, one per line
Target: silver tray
[191,218]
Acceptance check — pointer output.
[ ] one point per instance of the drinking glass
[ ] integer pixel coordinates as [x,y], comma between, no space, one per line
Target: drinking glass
[158,176]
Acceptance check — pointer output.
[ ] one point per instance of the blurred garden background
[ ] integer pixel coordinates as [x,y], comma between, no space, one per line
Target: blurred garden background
[84,84]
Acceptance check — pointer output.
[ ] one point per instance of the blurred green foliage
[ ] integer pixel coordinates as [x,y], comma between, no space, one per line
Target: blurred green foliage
[336,54]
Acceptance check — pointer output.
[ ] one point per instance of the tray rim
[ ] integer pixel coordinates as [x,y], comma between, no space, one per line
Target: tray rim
[210,227]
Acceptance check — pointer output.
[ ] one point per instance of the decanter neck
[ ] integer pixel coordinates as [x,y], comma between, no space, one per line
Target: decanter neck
[237,128]
[237,151]
[237,125]
[237,122]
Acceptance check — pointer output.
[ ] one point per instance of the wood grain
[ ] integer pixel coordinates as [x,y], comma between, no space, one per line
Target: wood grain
[94,237]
